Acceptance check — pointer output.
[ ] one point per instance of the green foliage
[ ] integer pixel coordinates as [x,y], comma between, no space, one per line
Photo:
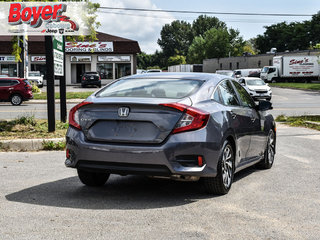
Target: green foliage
[35,88]
[53,146]
[26,120]
[215,43]
[175,38]
[29,127]
[176,60]
[207,37]
[301,121]
[305,86]
[204,23]
[290,36]
[70,95]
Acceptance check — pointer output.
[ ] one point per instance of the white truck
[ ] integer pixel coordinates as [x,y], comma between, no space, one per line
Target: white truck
[292,68]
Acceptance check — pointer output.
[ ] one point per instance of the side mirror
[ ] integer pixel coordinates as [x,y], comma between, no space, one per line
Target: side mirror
[264,106]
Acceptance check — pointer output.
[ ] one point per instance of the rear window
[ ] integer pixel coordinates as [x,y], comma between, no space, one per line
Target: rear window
[151,88]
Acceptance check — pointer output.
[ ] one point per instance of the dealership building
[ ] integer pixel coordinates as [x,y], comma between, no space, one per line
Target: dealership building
[113,57]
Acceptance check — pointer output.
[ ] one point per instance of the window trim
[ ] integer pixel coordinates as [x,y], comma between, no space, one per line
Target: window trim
[237,97]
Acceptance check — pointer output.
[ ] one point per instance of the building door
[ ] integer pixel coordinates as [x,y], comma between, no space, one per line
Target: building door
[81,69]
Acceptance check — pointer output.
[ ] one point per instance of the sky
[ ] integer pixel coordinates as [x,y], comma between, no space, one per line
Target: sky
[145,27]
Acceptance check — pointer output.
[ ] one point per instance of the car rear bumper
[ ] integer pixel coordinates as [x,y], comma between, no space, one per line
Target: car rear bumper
[93,82]
[177,156]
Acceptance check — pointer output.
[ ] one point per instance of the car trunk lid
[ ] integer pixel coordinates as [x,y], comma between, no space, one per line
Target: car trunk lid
[128,122]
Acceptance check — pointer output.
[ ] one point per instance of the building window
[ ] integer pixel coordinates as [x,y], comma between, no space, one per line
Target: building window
[105,70]
[42,68]
[270,62]
[259,63]
[8,69]
[230,67]
[123,69]
[237,65]
[220,66]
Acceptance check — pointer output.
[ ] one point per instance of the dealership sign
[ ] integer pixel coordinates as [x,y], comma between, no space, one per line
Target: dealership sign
[43,18]
[89,47]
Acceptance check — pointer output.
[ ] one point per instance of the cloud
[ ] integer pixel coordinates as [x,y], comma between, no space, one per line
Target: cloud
[143,27]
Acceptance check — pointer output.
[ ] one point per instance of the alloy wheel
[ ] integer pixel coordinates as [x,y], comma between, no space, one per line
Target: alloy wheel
[227,166]
[271,147]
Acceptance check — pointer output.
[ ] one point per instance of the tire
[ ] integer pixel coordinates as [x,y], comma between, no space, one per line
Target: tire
[269,153]
[82,85]
[16,99]
[221,184]
[92,179]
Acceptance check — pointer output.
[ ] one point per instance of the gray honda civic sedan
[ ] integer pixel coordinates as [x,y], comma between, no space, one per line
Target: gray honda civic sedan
[190,126]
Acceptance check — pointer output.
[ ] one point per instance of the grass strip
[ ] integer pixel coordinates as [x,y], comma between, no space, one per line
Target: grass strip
[312,122]
[304,86]
[30,128]
[70,95]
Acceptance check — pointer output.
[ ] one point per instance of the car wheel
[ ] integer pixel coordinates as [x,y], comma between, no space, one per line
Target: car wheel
[221,184]
[82,85]
[93,179]
[99,86]
[269,153]
[16,99]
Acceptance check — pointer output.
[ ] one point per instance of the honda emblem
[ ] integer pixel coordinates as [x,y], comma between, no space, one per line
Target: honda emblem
[123,112]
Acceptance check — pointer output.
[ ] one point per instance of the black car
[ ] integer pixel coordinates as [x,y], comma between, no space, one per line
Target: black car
[91,78]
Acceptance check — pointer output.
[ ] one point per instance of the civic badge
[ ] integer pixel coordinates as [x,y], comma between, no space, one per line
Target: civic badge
[123,112]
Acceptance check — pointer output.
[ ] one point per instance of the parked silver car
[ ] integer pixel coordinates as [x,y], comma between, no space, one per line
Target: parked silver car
[257,88]
[185,125]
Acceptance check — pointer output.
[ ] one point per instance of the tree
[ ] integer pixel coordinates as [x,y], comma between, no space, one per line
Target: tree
[290,36]
[175,38]
[204,23]
[176,60]
[214,44]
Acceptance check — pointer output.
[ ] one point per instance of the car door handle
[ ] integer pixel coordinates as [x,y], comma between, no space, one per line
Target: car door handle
[10,88]
[253,119]
[233,115]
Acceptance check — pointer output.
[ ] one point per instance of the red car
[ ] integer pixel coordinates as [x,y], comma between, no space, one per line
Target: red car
[15,90]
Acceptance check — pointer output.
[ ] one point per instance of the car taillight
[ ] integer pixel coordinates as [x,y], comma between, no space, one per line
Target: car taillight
[74,115]
[192,119]
[84,78]
[99,77]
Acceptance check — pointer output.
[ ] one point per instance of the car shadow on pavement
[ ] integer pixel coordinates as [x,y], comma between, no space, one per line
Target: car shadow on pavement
[130,192]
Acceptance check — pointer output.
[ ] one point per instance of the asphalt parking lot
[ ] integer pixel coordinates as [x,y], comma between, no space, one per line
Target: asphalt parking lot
[41,199]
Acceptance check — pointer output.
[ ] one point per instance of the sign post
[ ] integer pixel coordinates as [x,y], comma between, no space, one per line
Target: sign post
[59,70]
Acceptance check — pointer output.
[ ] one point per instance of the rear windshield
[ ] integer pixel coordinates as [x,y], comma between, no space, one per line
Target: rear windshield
[151,88]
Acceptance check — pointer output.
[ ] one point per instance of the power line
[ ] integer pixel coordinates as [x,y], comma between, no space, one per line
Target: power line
[256,21]
[209,12]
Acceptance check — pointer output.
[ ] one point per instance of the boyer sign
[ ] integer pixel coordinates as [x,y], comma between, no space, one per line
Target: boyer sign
[43,18]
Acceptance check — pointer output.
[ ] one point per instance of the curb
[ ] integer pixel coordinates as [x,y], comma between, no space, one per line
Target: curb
[25,145]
